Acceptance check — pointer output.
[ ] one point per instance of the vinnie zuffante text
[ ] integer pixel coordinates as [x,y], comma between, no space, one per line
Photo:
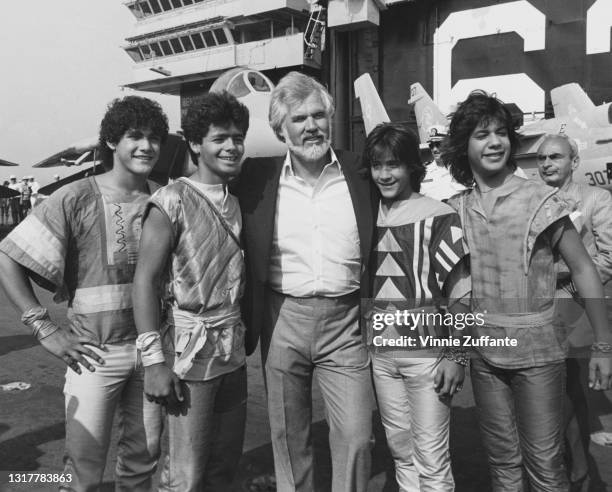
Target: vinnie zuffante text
[412,319]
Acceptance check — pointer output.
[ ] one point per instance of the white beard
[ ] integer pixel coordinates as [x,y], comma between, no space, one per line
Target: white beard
[309,152]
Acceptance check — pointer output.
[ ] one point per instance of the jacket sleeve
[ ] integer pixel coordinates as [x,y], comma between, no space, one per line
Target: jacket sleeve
[601,220]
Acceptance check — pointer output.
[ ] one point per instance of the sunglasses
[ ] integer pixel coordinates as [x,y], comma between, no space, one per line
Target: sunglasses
[433,145]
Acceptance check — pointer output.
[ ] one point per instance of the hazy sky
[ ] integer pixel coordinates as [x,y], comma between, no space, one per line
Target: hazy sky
[60,64]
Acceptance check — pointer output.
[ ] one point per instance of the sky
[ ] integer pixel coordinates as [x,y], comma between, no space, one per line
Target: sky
[61,63]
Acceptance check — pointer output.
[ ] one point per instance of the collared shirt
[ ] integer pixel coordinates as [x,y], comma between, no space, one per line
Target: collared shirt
[315,246]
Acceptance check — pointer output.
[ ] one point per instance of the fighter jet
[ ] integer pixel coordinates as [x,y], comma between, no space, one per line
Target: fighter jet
[251,87]
[575,115]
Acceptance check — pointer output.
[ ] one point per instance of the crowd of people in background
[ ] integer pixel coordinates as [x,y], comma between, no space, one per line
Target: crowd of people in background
[171,288]
[15,208]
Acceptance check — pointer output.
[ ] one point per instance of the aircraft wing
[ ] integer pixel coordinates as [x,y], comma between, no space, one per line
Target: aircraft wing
[372,109]
[7,163]
[50,188]
[6,192]
[74,155]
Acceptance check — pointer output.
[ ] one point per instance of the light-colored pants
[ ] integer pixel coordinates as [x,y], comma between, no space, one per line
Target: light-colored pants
[91,401]
[416,421]
[520,412]
[206,434]
[318,337]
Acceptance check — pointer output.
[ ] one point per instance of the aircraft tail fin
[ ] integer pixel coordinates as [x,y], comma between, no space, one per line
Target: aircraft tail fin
[427,114]
[569,99]
[372,108]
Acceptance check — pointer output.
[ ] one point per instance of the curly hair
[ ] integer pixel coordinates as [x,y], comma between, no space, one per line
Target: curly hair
[403,145]
[130,112]
[479,109]
[213,108]
[292,90]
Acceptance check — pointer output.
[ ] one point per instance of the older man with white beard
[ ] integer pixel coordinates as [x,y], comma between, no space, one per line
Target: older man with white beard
[308,224]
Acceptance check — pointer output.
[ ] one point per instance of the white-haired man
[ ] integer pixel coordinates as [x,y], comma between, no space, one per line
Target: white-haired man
[308,223]
[557,159]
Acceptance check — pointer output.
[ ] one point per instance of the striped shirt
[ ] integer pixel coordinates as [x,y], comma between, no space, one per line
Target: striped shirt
[419,244]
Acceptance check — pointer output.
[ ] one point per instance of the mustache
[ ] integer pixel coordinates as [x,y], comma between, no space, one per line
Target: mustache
[311,152]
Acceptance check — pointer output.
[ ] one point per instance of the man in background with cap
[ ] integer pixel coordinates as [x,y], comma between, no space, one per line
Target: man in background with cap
[26,193]
[438,182]
[34,187]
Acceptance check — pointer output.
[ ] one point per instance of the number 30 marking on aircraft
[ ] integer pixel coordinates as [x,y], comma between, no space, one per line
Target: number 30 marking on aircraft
[597,179]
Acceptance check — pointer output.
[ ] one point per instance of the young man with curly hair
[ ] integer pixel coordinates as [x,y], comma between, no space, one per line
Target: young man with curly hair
[192,261]
[515,229]
[82,244]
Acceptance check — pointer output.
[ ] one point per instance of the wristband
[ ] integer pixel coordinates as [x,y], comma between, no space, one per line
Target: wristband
[457,355]
[150,347]
[37,319]
[603,347]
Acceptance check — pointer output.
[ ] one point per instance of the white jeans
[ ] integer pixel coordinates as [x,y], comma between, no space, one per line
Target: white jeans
[416,422]
[91,401]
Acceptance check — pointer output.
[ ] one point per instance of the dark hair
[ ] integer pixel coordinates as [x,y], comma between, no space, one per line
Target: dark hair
[130,112]
[213,108]
[402,143]
[479,109]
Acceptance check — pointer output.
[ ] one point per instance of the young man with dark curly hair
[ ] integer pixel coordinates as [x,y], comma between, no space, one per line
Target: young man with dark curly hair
[515,230]
[82,244]
[191,249]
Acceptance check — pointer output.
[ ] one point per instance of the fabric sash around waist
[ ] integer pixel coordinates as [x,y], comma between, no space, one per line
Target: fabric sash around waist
[191,329]
[519,320]
[539,339]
